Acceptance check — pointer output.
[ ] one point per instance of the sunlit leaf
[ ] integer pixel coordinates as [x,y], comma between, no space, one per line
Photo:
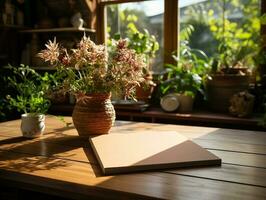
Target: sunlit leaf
[213,28]
[211,12]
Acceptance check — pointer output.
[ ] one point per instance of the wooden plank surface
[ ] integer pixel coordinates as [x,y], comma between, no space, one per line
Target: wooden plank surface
[160,185]
[62,163]
[232,146]
[66,149]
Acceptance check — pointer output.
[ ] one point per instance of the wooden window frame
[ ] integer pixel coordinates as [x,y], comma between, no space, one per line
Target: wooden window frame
[171,24]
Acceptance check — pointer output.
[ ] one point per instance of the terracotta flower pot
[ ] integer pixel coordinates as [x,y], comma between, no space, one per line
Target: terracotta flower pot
[186,103]
[145,90]
[93,114]
[222,87]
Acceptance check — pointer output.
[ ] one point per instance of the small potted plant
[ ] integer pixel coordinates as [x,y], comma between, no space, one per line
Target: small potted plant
[145,44]
[184,78]
[232,66]
[56,92]
[29,98]
[229,75]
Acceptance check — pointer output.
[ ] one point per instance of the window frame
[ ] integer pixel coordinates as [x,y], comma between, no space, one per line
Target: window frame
[171,24]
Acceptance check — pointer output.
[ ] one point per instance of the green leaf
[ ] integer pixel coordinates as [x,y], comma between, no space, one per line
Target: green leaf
[263,19]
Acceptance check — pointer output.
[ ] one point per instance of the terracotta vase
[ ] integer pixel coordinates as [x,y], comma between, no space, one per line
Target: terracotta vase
[145,90]
[222,87]
[186,103]
[144,93]
[93,114]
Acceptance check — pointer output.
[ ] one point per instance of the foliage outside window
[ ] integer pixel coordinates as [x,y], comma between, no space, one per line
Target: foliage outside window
[227,30]
[136,22]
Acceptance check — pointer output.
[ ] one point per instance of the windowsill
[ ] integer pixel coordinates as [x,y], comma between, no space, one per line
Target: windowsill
[197,117]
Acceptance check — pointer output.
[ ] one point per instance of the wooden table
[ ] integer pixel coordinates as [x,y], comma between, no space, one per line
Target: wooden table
[62,165]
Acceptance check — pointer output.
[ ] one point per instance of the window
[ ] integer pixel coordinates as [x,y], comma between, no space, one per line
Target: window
[201,14]
[207,24]
[125,19]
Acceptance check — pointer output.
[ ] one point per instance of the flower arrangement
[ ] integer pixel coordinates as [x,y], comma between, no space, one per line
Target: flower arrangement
[90,69]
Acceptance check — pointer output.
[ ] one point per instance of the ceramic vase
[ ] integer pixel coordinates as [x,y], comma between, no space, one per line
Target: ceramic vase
[32,125]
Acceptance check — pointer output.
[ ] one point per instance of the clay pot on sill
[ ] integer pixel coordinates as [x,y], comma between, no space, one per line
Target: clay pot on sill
[222,87]
[186,103]
[145,90]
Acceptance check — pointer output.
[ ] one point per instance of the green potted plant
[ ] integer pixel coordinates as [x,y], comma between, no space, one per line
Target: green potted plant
[184,79]
[228,75]
[29,98]
[232,67]
[56,92]
[144,43]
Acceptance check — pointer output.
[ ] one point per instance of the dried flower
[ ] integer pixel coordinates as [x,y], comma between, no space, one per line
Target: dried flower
[90,69]
[52,53]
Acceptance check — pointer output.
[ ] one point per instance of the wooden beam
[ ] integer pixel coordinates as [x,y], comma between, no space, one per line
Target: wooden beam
[101,23]
[88,8]
[171,29]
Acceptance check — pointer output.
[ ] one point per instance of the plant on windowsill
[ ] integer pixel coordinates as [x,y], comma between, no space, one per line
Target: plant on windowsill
[91,74]
[231,68]
[30,98]
[144,44]
[184,79]
[228,75]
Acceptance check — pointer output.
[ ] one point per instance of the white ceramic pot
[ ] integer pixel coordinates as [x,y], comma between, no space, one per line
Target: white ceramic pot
[170,102]
[32,125]
[177,102]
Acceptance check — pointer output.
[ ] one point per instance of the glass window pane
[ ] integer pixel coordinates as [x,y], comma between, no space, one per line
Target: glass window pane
[125,18]
[206,24]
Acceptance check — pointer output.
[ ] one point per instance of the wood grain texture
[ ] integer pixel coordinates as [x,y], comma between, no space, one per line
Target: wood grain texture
[72,148]
[59,175]
[232,146]
[61,163]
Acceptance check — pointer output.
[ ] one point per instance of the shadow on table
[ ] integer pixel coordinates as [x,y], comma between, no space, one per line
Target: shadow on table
[38,154]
